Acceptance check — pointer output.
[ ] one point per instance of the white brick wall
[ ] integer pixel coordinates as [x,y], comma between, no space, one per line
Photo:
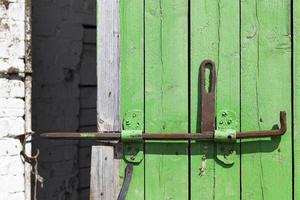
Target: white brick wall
[12,51]
[12,34]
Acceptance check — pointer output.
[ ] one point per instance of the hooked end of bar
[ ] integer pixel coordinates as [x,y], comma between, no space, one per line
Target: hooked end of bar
[283,126]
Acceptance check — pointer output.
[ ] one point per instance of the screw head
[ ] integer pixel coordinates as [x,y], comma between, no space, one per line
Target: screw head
[132,157]
[229,121]
[224,114]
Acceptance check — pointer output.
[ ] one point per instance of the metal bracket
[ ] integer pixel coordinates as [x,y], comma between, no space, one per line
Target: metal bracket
[225,136]
[132,136]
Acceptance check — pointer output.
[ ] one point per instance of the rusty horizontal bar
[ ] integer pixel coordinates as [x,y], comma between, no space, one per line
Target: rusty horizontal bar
[206,135]
[103,135]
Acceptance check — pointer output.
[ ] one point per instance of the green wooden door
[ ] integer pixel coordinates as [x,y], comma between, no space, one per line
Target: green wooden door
[163,43]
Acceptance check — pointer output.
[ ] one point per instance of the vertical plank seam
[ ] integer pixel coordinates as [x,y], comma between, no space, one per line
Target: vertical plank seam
[144,95]
[293,95]
[189,97]
[240,92]
[144,92]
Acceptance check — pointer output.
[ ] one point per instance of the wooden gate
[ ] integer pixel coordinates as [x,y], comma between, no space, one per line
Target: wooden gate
[162,44]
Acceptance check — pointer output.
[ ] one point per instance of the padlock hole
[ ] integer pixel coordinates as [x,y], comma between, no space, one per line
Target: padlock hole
[208,84]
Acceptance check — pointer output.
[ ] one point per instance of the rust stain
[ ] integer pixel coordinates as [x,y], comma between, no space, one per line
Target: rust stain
[5,3]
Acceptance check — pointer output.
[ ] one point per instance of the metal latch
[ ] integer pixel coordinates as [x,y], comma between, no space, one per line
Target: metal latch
[133,137]
[225,132]
[207,133]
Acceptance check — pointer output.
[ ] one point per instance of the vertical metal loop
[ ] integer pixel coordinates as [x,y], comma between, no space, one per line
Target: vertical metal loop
[207,97]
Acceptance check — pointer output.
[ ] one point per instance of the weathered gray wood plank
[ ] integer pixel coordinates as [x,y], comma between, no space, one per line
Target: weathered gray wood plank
[104,168]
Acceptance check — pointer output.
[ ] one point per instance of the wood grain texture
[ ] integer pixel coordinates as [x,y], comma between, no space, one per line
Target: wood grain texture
[296,65]
[166,97]
[266,90]
[132,78]
[215,36]
[104,168]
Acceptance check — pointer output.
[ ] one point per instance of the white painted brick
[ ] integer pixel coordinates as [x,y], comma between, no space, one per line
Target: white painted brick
[4,195]
[12,34]
[11,165]
[11,88]
[17,30]
[10,107]
[12,183]
[10,127]
[16,63]
[4,49]
[17,48]
[9,147]
[4,28]
[16,11]
[12,51]
[16,196]
[3,12]
[4,63]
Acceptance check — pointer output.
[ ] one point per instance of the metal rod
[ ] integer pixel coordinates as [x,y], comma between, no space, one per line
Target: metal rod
[105,135]
[206,135]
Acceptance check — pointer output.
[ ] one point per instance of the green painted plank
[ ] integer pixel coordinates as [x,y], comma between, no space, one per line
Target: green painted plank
[166,97]
[228,93]
[214,35]
[266,89]
[296,37]
[132,73]
[204,44]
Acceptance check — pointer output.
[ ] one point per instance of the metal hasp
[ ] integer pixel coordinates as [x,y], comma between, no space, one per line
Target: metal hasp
[207,95]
